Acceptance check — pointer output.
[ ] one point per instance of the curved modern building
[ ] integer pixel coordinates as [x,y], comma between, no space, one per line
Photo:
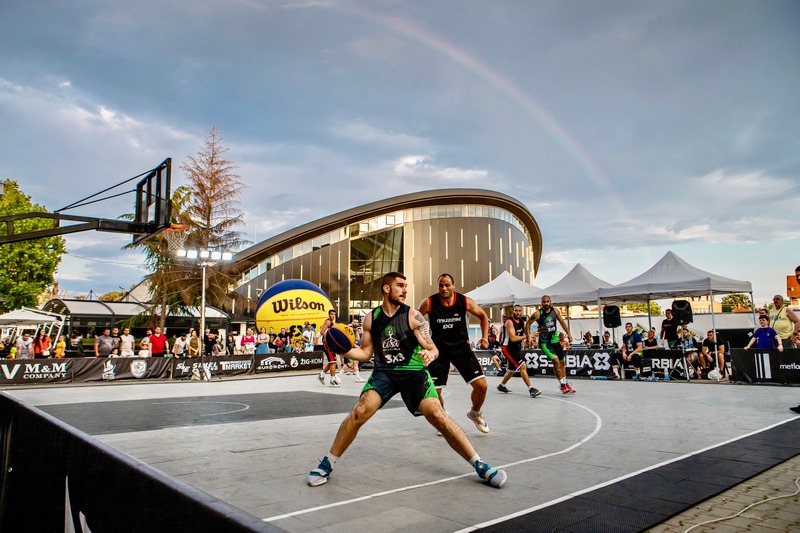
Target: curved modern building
[472,234]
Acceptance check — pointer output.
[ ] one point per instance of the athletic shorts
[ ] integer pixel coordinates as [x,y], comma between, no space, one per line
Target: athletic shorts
[413,386]
[331,356]
[513,361]
[465,362]
[552,350]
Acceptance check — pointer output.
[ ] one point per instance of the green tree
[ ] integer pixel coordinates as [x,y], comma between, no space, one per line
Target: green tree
[655,309]
[27,268]
[112,296]
[732,301]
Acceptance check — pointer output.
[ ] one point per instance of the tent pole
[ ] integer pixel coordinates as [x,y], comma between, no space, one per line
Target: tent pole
[753,308]
[714,327]
[599,319]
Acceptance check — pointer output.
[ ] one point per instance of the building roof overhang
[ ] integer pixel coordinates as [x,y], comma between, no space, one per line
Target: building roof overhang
[278,243]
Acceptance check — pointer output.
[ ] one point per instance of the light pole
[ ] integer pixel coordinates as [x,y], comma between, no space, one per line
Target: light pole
[206,259]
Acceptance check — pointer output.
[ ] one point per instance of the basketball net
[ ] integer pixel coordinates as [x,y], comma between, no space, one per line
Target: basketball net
[175,235]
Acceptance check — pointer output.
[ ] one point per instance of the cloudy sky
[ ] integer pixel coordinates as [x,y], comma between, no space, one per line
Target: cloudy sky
[628,128]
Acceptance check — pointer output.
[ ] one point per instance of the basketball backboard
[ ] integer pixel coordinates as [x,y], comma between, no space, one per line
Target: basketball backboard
[153,201]
[152,212]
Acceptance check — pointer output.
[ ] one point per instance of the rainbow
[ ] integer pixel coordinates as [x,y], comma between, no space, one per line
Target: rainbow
[494,78]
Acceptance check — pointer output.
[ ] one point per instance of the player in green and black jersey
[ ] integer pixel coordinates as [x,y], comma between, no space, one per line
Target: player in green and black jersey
[400,341]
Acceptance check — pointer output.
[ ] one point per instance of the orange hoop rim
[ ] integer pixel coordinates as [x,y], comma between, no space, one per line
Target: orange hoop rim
[177,228]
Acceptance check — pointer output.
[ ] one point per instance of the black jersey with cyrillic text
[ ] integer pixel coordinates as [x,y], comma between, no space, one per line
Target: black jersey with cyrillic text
[449,322]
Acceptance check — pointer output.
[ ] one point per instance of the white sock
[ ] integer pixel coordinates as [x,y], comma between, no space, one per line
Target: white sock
[563,381]
[332,458]
[474,459]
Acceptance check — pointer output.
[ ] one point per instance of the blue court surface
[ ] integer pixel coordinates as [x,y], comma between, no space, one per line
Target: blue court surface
[615,456]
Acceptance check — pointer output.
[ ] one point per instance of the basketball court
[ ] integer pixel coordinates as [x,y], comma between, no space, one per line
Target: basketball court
[616,456]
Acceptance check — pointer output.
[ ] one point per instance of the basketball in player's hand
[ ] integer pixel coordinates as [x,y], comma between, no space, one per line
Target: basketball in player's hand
[340,338]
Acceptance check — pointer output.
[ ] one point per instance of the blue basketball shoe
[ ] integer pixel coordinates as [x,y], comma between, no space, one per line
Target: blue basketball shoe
[319,476]
[493,476]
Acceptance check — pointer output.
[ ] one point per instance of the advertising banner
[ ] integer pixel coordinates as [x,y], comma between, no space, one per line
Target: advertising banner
[766,366]
[119,368]
[585,362]
[213,366]
[21,371]
[277,362]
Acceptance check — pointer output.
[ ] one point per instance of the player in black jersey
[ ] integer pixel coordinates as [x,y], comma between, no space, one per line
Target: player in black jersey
[513,340]
[400,339]
[447,313]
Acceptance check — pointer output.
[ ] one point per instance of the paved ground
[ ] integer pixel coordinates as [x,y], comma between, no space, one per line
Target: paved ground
[251,442]
[768,502]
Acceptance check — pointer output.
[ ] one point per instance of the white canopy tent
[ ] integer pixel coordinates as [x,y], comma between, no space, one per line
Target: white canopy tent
[672,277]
[28,317]
[578,287]
[505,289]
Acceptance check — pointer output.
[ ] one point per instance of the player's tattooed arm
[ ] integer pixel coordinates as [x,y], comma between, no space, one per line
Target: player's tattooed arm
[423,333]
[424,328]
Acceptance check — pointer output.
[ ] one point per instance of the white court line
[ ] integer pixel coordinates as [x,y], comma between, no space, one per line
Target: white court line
[616,480]
[245,407]
[598,426]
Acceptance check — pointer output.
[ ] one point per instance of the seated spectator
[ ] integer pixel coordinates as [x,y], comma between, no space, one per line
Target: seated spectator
[607,343]
[588,339]
[712,354]
[706,358]
[631,353]
[689,348]
[651,343]
[500,363]
[492,337]
[562,340]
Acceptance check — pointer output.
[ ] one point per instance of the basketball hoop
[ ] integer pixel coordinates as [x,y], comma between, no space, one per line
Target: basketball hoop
[176,235]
